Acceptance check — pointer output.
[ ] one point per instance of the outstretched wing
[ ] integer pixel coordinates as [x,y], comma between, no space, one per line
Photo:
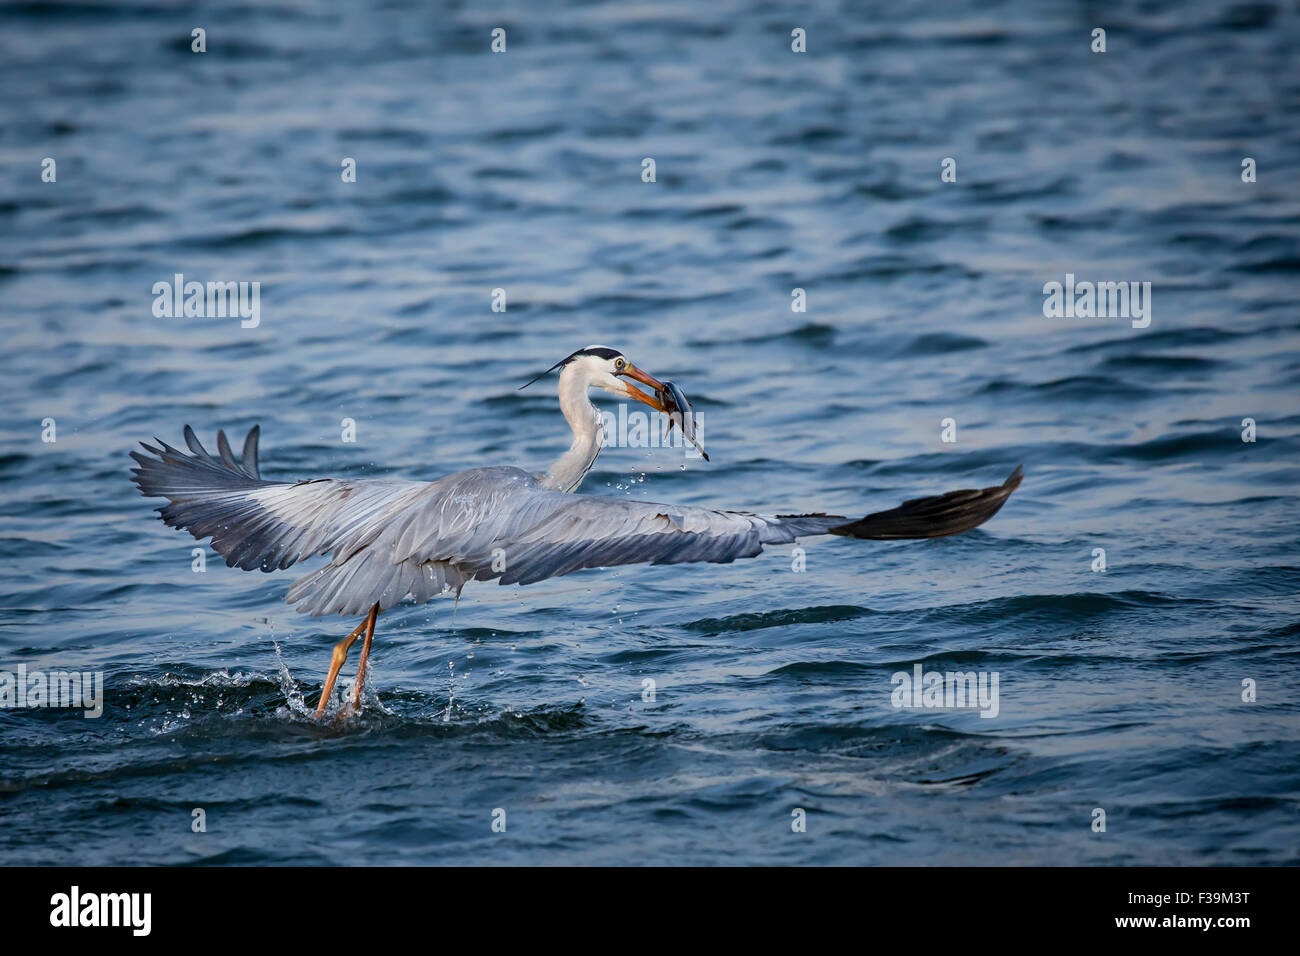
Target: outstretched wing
[263,524]
[588,531]
[387,538]
[391,538]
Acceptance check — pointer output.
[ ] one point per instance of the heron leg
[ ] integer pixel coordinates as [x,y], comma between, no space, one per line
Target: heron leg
[336,662]
[365,658]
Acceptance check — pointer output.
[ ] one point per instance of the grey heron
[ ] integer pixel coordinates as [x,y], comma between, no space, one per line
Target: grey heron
[388,539]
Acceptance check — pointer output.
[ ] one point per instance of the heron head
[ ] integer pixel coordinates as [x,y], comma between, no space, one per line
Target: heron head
[608,369]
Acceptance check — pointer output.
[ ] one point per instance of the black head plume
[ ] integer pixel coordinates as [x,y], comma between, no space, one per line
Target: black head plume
[597,350]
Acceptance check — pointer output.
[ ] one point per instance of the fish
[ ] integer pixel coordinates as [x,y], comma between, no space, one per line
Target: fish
[679,412]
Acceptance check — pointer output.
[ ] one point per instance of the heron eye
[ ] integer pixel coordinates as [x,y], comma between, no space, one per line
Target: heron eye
[619,363]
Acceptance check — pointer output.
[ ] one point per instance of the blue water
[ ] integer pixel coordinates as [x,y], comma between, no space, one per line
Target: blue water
[1120,689]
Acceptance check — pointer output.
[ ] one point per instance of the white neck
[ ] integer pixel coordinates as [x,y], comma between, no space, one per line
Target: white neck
[588,437]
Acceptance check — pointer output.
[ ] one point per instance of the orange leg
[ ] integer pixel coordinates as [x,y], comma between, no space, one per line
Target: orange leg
[365,658]
[336,662]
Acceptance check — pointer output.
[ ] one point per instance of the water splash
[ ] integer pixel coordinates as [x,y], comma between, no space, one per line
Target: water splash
[451,691]
[295,703]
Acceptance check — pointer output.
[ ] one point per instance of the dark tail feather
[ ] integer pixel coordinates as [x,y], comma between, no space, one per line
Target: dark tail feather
[936,516]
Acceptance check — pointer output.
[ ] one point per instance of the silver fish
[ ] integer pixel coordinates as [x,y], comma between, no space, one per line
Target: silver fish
[680,414]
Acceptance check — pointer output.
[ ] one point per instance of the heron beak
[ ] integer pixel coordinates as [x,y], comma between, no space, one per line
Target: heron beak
[631,371]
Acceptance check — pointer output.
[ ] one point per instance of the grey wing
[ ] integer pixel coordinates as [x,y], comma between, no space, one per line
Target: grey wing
[369,527]
[421,545]
[254,523]
[587,531]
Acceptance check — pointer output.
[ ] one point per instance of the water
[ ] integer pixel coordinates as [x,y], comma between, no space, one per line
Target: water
[1119,690]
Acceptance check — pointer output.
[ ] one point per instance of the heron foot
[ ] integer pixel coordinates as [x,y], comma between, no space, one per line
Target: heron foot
[336,663]
[360,683]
